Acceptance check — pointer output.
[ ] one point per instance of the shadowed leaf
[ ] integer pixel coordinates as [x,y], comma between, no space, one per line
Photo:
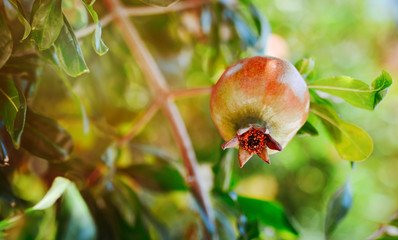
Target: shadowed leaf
[269,213]
[308,129]
[21,18]
[338,207]
[156,177]
[74,218]
[44,138]
[352,143]
[6,193]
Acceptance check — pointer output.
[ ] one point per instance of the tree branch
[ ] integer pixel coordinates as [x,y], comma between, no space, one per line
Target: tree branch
[158,84]
[180,6]
[190,92]
[140,123]
[142,11]
[86,31]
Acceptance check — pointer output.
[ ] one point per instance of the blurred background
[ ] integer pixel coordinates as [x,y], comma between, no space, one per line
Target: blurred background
[356,38]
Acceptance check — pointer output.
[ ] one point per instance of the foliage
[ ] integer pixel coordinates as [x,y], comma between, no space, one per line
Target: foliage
[85,155]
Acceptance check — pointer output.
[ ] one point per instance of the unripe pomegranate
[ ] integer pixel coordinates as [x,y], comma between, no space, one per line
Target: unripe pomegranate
[259,103]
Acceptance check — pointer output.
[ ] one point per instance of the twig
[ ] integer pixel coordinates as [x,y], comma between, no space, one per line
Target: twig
[140,123]
[158,84]
[86,31]
[142,11]
[180,6]
[190,92]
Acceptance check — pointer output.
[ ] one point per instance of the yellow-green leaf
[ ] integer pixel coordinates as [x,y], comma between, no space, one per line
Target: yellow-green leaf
[355,92]
[351,142]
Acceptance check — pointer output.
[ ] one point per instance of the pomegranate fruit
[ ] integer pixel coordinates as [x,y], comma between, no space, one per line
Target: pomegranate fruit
[258,105]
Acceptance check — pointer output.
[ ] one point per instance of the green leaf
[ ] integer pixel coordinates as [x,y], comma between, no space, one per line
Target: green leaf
[98,45]
[355,92]
[269,213]
[308,129]
[12,109]
[338,207]
[160,3]
[305,66]
[352,143]
[74,218]
[47,23]
[156,177]
[43,137]
[21,18]
[248,230]
[68,52]
[5,41]
[56,190]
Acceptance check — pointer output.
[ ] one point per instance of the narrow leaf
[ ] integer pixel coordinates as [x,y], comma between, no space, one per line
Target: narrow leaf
[21,18]
[159,3]
[74,218]
[308,129]
[5,41]
[98,45]
[56,190]
[355,92]
[245,33]
[20,118]
[156,177]
[69,54]
[47,23]
[12,109]
[305,66]
[338,207]
[263,27]
[352,143]
[43,137]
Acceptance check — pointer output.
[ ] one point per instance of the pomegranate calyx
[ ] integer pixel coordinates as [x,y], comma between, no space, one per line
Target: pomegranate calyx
[252,140]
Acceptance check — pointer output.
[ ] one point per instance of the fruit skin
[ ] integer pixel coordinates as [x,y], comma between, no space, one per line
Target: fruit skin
[262,91]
